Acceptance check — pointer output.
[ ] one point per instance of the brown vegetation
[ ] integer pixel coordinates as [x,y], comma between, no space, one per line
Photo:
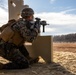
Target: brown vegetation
[68,47]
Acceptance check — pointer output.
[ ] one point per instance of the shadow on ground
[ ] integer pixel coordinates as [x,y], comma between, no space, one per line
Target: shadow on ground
[39,69]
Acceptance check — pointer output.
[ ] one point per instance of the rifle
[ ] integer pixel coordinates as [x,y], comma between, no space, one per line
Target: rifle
[39,23]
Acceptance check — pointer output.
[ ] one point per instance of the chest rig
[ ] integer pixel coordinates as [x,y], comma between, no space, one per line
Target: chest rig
[11,34]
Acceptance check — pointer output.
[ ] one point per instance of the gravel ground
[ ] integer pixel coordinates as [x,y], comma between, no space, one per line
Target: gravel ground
[64,64]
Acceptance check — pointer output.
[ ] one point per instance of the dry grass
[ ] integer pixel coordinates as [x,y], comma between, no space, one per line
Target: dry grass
[69,47]
[65,54]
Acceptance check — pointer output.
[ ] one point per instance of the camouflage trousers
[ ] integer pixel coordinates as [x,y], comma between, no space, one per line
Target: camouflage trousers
[15,55]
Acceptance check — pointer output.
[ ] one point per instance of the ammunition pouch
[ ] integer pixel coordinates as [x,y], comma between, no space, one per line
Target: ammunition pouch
[8,35]
[17,39]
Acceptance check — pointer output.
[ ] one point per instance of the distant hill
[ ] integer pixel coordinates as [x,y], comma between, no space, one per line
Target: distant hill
[65,38]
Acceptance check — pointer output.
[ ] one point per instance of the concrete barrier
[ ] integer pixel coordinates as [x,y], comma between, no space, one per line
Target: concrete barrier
[42,46]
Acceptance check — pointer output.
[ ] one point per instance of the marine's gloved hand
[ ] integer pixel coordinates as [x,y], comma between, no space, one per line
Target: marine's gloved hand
[30,35]
[30,24]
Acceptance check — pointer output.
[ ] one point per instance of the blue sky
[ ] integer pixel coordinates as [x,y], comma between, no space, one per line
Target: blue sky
[51,5]
[60,14]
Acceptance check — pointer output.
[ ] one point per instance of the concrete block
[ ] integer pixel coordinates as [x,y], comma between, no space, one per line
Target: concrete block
[42,46]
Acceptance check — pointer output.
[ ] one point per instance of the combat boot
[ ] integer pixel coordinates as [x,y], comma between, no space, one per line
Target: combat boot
[32,60]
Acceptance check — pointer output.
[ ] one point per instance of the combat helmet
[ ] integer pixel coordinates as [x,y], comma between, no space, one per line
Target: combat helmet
[27,12]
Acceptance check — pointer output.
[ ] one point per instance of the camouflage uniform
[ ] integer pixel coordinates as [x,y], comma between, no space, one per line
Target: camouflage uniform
[10,52]
[17,54]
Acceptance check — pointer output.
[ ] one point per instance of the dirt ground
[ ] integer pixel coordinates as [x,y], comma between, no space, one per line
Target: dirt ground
[64,63]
